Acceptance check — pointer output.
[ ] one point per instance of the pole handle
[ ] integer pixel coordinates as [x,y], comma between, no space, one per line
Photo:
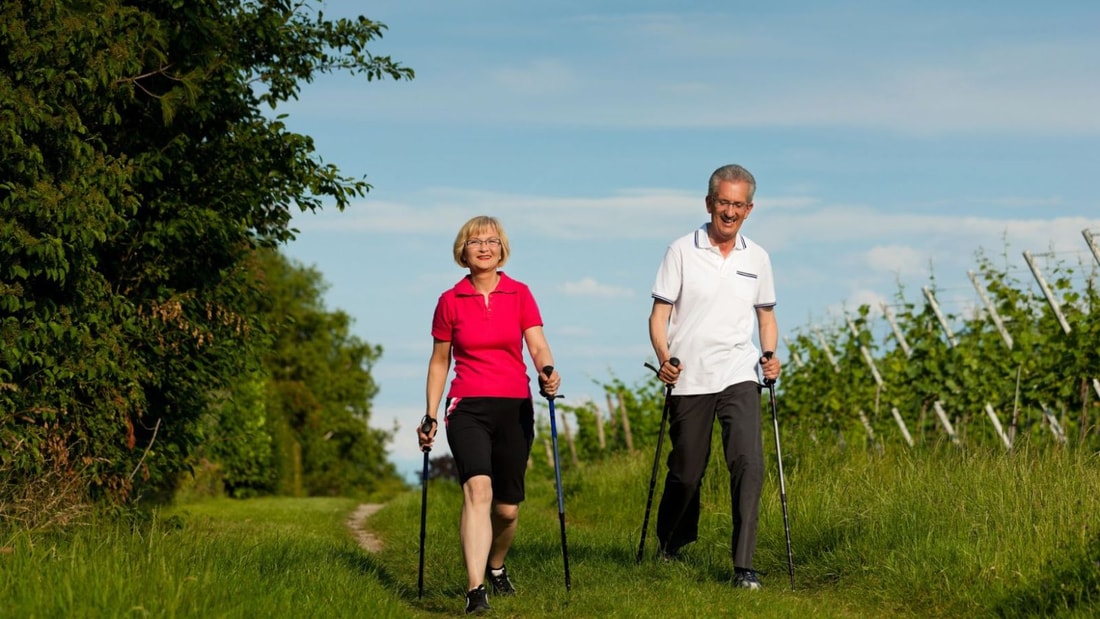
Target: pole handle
[768,354]
[426,425]
[674,361]
[547,370]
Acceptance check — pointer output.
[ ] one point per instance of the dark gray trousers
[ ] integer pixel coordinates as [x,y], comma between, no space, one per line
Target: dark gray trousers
[692,417]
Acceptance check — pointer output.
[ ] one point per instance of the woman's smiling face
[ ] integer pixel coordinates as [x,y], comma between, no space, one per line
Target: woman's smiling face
[483,250]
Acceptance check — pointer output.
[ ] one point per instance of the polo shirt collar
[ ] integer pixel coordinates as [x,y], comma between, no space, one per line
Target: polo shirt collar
[506,285]
[702,239]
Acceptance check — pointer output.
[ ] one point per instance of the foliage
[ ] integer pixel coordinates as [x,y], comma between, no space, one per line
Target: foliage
[320,388]
[140,171]
[1045,374]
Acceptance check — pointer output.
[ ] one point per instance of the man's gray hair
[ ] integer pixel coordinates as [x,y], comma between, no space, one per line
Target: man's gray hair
[731,173]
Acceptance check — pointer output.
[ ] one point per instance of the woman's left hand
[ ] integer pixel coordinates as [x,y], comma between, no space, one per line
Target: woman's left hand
[548,385]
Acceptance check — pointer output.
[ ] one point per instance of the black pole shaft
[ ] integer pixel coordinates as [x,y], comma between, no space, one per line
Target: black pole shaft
[557,478]
[656,459]
[426,427]
[782,484]
[653,475]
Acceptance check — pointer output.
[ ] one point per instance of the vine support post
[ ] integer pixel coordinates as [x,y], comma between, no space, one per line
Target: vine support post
[897,331]
[828,351]
[867,426]
[866,353]
[997,425]
[950,429]
[928,294]
[1092,244]
[1047,292]
[793,353]
[992,310]
[626,424]
[901,424]
[1052,420]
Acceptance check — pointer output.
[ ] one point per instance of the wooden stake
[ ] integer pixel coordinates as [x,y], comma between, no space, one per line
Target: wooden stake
[1092,244]
[997,425]
[569,439]
[867,425]
[794,354]
[626,424]
[1055,427]
[867,358]
[599,427]
[901,424]
[945,422]
[928,294]
[992,310]
[1047,292]
[828,351]
[897,331]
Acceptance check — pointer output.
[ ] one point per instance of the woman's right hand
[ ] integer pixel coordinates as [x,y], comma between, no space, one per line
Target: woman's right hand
[425,432]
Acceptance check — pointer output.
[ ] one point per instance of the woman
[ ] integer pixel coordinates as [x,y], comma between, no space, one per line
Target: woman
[482,323]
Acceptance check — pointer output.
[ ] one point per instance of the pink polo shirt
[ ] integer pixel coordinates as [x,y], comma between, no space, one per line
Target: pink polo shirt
[487,340]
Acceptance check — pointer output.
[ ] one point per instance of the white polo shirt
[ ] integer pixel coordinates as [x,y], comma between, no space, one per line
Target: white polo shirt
[714,301]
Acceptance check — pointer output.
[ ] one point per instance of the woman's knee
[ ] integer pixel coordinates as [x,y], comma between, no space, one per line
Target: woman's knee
[478,490]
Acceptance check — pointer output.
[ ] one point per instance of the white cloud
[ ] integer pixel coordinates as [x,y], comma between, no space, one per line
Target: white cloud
[626,69]
[629,213]
[900,259]
[589,287]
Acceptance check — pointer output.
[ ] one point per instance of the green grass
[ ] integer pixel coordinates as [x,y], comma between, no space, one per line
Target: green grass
[936,532]
[257,558]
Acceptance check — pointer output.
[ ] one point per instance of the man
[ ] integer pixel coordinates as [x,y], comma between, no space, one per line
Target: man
[712,286]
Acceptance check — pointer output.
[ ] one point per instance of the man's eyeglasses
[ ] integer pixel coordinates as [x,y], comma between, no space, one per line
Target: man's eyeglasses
[481,242]
[727,204]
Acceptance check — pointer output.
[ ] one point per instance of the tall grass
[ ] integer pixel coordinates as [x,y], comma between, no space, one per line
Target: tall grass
[936,532]
[933,532]
[257,558]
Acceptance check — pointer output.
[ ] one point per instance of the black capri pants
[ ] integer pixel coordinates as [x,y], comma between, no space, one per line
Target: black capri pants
[492,436]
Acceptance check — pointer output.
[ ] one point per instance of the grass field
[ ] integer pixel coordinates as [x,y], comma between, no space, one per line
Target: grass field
[937,532]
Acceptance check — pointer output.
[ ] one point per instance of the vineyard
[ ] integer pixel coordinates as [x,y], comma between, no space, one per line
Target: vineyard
[1021,361]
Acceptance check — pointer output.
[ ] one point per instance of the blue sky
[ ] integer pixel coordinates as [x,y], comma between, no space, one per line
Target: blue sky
[890,141]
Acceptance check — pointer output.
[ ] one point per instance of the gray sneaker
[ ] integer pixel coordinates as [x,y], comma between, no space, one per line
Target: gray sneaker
[477,601]
[745,579]
[502,585]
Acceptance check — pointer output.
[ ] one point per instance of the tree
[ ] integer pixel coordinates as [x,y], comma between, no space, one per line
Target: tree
[319,389]
[138,173]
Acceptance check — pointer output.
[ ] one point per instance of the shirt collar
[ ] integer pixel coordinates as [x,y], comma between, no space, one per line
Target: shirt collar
[702,240]
[506,285]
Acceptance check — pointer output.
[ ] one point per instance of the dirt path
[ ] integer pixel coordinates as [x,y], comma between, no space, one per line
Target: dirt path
[358,526]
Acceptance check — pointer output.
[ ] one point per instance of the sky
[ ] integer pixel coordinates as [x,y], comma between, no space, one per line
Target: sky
[891,143]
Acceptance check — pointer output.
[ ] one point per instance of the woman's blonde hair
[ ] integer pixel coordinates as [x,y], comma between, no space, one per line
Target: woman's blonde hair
[475,226]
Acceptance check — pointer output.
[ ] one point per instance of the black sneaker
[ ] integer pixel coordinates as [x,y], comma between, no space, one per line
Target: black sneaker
[501,584]
[745,579]
[477,600]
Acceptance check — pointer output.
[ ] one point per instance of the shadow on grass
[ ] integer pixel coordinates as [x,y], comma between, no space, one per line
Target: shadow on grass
[1070,585]
[437,598]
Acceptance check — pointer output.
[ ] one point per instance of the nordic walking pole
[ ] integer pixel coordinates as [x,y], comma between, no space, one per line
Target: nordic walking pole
[782,484]
[425,427]
[557,474]
[656,457]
